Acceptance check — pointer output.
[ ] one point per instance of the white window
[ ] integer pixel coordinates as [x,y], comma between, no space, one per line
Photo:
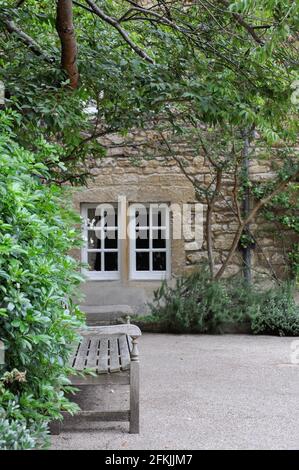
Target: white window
[148,244]
[149,241]
[101,245]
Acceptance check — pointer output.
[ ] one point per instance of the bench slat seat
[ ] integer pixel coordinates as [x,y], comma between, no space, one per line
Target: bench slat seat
[102,354]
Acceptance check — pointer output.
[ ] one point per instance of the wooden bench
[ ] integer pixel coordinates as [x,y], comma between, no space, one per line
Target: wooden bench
[111,353]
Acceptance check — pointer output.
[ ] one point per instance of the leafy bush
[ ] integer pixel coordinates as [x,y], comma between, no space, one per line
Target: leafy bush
[37,280]
[199,304]
[20,435]
[276,313]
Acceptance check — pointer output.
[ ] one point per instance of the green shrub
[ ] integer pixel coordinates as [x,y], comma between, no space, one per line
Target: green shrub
[199,304]
[37,280]
[18,434]
[276,313]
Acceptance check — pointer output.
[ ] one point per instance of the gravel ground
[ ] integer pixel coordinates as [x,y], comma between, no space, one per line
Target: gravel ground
[206,392]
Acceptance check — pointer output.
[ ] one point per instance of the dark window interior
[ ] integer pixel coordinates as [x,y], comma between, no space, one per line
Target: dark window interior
[94,261]
[159,240]
[111,240]
[142,261]
[111,263]
[159,261]
[142,239]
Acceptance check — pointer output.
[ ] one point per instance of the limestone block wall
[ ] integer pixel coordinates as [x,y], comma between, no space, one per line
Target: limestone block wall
[138,168]
[272,242]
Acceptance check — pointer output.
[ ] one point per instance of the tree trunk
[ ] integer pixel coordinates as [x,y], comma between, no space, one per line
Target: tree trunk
[65,29]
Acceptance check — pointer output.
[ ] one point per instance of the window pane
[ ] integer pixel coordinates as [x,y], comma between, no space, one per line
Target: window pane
[94,261]
[110,215]
[91,213]
[92,219]
[111,261]
[142,217]
[158,216]
[142,261]
[115,219]
[159,239]
[142,239]
[94,239]
[159,261]
[111,239]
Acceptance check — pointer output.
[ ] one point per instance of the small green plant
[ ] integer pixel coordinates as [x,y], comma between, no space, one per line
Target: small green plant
[276,313]
[18,434]
[199,304]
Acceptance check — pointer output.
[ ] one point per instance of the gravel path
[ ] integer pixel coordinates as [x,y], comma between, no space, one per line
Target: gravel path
[207,392]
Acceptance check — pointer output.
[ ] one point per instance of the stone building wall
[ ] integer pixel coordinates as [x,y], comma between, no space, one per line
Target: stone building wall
[142,174]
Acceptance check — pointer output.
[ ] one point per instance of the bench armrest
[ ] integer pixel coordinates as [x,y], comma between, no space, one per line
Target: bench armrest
[123,329]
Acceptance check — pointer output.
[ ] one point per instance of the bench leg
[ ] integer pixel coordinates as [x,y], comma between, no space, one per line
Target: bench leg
[55,427]
[134,397]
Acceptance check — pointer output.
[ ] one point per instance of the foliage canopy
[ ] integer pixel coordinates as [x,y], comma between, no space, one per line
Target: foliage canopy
[211,61]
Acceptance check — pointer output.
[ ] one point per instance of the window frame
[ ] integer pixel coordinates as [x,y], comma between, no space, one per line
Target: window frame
[99,275]
[148,275]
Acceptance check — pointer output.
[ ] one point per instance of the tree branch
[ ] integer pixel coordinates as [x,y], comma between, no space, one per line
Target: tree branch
[243,23]
[82,6]
[73,154]
[113,22]
[12,28]
[153,16]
